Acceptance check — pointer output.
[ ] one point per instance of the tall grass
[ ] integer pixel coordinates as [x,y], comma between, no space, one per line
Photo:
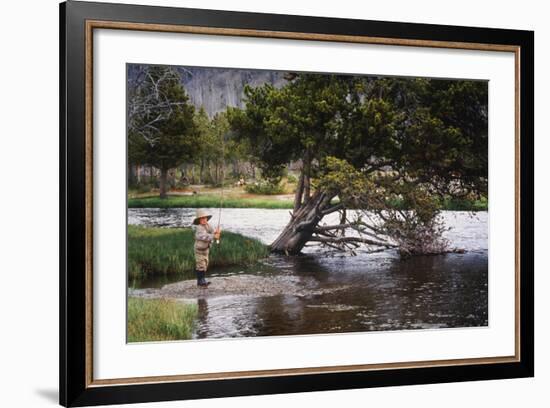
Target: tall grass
[209,201]
[169,251]
[159,319]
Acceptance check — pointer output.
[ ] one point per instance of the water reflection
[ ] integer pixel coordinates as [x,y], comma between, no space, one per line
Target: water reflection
[368,292]
[202,330]
[418,293]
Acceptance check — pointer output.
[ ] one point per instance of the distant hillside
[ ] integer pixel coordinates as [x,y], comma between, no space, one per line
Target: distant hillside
[217,88]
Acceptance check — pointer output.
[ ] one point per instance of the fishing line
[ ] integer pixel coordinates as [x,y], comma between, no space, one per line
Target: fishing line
[222,183]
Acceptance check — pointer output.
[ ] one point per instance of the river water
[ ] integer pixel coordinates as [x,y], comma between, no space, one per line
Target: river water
[367,292]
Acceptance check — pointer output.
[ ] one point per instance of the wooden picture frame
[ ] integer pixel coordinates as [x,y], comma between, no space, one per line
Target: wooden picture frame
[78,20]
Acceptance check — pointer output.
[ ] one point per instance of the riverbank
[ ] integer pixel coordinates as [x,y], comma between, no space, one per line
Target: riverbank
[237,199]
[160,320]
[212,201]
[169,251]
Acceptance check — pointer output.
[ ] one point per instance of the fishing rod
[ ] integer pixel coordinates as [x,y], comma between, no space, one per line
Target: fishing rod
[221,192]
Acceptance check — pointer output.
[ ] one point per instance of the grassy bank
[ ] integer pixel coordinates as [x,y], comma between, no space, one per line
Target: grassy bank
[159,320]
[212,201]
[164,251]
[452,204]
[209,201]
[466,205]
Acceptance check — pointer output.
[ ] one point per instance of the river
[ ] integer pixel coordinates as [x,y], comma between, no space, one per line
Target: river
[367,292]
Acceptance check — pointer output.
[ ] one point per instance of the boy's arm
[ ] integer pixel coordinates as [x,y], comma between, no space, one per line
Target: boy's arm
[202,234]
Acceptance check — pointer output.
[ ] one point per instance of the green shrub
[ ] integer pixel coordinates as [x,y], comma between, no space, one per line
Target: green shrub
[144,188]
[265,188]
[291,179]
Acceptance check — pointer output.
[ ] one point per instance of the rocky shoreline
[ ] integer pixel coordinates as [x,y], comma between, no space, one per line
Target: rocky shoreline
[237,285]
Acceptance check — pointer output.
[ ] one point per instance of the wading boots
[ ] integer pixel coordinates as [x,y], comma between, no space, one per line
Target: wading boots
[201,281]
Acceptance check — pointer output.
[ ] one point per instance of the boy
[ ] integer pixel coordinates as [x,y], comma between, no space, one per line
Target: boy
[204,235]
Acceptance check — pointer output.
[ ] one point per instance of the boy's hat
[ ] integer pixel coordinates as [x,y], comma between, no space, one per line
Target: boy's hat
[200,214]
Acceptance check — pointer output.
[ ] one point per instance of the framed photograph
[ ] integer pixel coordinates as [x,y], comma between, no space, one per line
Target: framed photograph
[256,204]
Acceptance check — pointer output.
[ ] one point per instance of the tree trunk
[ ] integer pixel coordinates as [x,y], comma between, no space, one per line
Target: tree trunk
[301,227]
[162,186]
[307,175]
[131,175]
[210,175]
[298,193]
[307,188]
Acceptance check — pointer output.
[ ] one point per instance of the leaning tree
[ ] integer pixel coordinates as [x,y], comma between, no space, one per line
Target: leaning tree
[390,149]
[161,126]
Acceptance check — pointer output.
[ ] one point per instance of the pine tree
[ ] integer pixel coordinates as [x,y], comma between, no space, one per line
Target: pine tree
[162,129]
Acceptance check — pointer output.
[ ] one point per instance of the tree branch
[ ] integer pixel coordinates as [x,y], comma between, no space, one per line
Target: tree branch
[341,240]
[333,227]
[307,224]
[326,228]
[332,209]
